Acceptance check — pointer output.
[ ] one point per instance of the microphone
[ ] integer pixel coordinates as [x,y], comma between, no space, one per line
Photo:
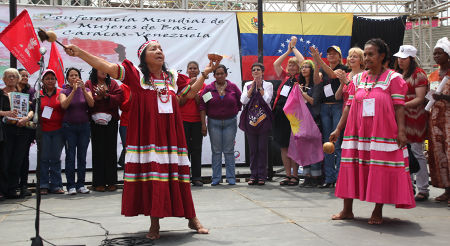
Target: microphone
[42,50]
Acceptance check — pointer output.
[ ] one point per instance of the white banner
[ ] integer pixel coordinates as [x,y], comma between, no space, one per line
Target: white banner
[116,34]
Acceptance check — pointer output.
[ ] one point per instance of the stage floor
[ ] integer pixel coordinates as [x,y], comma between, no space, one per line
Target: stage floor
[235,215]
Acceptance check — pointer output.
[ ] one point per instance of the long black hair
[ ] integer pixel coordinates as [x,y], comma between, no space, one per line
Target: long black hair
[412,67]
[144,68]
[382,48]
[94,80]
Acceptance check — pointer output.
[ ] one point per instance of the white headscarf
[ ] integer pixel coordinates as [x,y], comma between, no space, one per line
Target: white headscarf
[444,44]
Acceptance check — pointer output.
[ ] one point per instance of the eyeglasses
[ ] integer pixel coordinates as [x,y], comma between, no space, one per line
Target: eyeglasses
[12,76]
[256,69]
[305,67]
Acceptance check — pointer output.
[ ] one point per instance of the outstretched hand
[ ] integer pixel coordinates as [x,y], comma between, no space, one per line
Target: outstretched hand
[293,42]
[314,52]
[213,64]
[72,50]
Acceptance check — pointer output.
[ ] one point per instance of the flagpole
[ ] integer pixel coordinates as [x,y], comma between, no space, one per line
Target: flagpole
[12,15]
[260,32]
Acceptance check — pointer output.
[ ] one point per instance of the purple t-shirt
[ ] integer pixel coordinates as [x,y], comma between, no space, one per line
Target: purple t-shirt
[221,108]
[77,112]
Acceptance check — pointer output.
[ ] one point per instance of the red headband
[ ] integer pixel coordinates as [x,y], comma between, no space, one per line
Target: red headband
[143,46]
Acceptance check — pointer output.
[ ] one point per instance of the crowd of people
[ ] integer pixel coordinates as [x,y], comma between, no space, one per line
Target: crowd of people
[371,113]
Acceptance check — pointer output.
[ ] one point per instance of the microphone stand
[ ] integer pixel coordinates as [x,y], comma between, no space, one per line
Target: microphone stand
[37,240]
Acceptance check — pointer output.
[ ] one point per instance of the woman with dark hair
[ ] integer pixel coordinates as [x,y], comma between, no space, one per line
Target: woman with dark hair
[258,143]
[281,126]
[156,180]
[415,114]
[220,101]
[190,112]
[76,100]
[439,149]
[51,115]
[24,87]
[374,164]
[104,126]
[308,74]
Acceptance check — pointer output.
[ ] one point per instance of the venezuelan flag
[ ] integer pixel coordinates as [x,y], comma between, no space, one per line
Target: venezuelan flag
[312,29]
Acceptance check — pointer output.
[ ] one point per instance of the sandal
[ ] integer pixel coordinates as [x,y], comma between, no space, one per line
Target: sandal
[420,197]
[57,191]
[442,198]
[251,182]
[293,183]
[285,181]
[261,182]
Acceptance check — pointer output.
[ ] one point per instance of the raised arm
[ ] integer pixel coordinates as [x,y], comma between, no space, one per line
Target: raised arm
[198,84]
[96,62]
[318,59]
[277,63]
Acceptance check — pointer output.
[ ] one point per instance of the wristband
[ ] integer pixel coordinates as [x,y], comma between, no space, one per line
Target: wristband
[205,75]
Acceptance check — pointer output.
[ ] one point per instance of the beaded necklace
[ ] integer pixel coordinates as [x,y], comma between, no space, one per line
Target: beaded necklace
[162,93]
[368,89]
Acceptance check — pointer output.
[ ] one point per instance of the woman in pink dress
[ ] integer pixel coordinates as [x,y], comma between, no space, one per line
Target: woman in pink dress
[156,179]
[374,165]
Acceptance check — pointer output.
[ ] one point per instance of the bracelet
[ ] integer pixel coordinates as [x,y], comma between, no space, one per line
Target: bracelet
[205,75]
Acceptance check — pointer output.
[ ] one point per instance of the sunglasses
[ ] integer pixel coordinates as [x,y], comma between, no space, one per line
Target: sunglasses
[256,69]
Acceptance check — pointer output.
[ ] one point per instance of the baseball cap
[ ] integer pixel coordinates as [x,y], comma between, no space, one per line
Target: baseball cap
[46,72]
[405,51]
[336,48]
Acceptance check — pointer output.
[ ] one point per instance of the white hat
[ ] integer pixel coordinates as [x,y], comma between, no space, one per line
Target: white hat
[444,44]
[405,51]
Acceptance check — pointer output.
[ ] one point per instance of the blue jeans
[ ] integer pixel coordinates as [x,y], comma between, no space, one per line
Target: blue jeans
[222,134]
[315,170]
[77,141]
[330,115]
[52,145]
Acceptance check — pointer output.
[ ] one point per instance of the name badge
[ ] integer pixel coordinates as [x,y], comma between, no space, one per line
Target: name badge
[163,106]
[207,96]
[369,107]
[285,90]
[47,113]
[328,90]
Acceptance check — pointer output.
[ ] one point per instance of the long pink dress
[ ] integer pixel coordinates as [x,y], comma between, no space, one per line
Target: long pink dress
[373,167]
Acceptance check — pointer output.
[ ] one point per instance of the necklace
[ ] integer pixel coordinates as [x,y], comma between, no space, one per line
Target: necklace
[163,94]
[368,89]
[221,88]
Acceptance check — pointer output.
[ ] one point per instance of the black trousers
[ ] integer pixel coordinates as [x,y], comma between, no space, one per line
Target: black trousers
[26,161]
[104,153]
[194,140]
[15,151]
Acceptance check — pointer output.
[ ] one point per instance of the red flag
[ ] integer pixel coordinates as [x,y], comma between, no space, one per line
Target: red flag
[56,64]
[20,39]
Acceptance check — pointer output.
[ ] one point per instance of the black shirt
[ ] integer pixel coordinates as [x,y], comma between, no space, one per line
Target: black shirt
[335,83]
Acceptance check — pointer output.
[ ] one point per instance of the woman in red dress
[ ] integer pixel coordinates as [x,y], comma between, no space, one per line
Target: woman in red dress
[156,181]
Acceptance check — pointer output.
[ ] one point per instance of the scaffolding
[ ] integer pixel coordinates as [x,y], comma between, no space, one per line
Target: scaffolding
[424,15]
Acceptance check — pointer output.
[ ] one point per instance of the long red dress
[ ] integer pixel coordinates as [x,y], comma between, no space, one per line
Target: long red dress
[156,181]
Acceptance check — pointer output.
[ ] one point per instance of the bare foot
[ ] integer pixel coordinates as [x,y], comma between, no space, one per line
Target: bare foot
[377,215]
[195,224]
[343,216]
[375,220]
[153,233]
